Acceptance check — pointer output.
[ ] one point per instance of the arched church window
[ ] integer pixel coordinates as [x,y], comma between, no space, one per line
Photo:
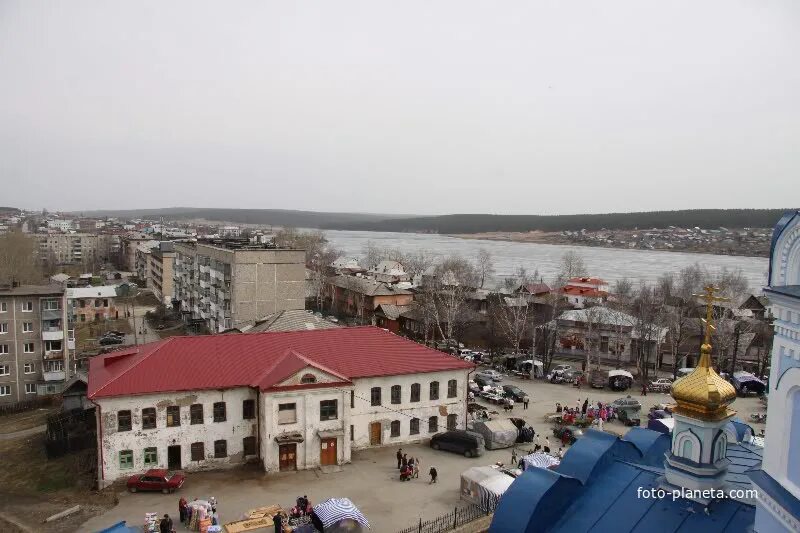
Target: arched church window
[686,449]
[308,378]
[793,459]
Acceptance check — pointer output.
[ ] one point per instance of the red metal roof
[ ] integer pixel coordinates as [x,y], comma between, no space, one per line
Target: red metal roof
[590,281]
[260,360]
[583,291]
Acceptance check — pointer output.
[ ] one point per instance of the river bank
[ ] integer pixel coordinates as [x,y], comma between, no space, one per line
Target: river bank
[756,247]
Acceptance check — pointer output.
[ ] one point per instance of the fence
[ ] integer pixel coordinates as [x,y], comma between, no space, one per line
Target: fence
[70,432]
[42,401]
[457,518]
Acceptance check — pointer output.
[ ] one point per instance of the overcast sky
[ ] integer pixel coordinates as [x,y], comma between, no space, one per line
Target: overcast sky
[400,107]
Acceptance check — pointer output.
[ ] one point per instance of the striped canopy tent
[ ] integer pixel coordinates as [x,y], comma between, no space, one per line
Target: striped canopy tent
[539,460]
[336,512]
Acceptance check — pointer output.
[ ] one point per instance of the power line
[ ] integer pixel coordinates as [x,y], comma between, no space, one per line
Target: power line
[438,427]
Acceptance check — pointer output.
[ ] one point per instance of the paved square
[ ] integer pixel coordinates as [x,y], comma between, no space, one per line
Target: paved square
[371,481]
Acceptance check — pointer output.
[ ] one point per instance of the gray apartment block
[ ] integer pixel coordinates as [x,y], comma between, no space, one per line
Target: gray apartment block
[34,342]
[228,284]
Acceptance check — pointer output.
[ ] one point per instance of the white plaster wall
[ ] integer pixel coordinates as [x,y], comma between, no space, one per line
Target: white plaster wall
[308,423]
[363,413]
[234,429]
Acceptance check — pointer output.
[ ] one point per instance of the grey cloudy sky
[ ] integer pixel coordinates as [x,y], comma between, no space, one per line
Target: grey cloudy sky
[410,107]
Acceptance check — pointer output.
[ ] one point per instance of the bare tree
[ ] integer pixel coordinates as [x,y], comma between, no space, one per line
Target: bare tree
[647,310]
[485,266]
[19,262]
[416,263]
[513,312]
[445,298]
[573,265]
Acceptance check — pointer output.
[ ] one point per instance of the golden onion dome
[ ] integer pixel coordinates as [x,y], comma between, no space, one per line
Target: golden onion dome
[704,394]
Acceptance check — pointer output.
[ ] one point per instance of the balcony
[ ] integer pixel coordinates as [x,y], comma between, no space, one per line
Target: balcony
[51,314]
[55,375]
[53,334]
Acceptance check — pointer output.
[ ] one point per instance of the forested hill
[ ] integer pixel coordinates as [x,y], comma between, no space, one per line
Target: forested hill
[466,223]
[704,218]
[276,217]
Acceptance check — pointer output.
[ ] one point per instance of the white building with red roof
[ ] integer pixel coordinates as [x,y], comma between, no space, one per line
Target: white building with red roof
[579,291]
[290,400]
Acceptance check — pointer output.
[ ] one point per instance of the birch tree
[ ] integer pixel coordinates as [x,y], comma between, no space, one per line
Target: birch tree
[445,298]
[485,266]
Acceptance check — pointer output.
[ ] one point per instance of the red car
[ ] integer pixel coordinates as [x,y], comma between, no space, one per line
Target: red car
[156,479]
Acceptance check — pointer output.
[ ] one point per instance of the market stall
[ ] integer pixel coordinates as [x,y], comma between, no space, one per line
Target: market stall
[539,460]
[500,433]
[619,380]
[482,484]
[340,515]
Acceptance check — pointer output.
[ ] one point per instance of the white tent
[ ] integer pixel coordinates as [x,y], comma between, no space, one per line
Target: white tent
[539,460]
[500,433]
[481,484]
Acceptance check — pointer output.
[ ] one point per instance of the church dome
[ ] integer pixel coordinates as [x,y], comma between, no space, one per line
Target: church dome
[704,394]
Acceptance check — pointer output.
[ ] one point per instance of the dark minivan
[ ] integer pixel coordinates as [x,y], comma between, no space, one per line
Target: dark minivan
[459,441]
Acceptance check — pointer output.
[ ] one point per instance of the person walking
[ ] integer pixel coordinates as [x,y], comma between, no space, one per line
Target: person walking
[433,473]
[182,503]
[416,467]
[644,389]
[547,445]
[525,400]
[585,406]
[537,445]
[404,462]
[514,456]
[399,458]
[165,526]
[277,521]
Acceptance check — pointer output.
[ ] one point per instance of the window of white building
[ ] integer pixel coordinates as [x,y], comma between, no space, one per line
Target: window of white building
[125,459]
[27,327]
[287,413]
[30,388]
[27,307]
[30,368]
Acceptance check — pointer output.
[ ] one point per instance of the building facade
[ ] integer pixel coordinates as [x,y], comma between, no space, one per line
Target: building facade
[778,507]
[228,284]
[78,248]
[34,342]
[291,400]
[161,270]
[91,304]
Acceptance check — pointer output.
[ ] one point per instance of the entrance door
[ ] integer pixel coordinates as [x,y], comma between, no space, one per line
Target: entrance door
[327,452]
[375,433]
[288,457]
[174,457]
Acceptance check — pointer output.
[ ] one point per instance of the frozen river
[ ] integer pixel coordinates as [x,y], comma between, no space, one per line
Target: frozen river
[607,263]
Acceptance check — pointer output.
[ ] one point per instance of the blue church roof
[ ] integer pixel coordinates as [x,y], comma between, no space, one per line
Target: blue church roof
[599,487]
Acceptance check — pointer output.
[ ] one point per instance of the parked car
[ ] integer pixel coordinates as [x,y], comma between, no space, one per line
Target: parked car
[156,479]
[567,434]
[572,375]
[467,443]
[483,381]
[558,369]
[598,379]
[115,332]
[629,417]
[111,339]
[626,403]
[493,375]
[473,387]
[660,385]
[514,392]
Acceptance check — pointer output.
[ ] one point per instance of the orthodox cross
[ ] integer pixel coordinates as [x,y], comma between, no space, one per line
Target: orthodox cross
[709,297]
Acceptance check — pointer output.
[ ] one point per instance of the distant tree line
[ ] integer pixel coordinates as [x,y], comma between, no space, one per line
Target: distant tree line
[467,223]
[703,218]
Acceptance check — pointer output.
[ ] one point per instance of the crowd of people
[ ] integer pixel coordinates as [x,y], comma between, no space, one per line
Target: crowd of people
[591,413]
